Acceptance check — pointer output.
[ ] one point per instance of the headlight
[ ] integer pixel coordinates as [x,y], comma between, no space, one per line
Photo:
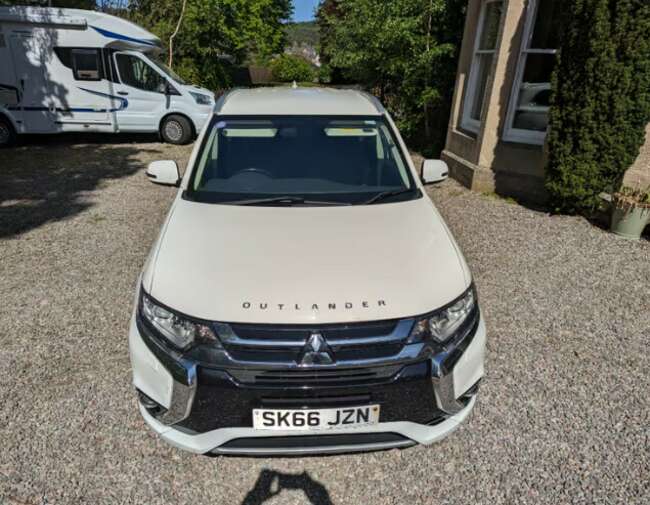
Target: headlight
[178,330]
[441,325]
[201,99]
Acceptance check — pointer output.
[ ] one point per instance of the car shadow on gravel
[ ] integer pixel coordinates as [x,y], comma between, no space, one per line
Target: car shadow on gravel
[41,184]
[271,483]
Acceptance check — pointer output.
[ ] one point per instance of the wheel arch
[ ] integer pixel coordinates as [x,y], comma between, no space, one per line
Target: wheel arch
[189,119]
[4,114]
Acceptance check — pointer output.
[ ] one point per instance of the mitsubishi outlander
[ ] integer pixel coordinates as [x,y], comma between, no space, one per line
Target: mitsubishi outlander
[304,294]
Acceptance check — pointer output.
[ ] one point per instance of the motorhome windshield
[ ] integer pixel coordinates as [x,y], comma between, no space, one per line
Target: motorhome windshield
[168,71]
[300,160]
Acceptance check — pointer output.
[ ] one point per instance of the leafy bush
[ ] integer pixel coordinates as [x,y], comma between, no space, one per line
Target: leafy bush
[213,35]
[600,100]
[289,67]
[404,51]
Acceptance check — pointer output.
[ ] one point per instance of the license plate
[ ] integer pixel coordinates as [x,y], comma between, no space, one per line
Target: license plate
[315,419]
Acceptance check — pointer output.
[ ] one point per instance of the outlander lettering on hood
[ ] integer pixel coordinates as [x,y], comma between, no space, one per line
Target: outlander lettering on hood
[364,304]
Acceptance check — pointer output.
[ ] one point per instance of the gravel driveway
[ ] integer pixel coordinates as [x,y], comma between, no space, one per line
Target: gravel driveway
[563,415]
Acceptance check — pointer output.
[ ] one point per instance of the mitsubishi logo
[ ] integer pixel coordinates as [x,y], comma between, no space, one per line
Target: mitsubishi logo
[316,351]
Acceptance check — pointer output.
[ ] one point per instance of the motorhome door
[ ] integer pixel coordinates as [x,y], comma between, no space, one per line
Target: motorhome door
[144,88]
[30,61]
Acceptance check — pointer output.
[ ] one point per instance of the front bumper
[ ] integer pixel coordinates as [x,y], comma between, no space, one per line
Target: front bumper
[211,410]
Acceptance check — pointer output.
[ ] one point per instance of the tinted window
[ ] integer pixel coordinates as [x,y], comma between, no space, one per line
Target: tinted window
[345,160]
[86,64]
[138,74]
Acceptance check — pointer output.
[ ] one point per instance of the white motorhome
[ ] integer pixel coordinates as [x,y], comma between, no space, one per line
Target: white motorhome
[69,70]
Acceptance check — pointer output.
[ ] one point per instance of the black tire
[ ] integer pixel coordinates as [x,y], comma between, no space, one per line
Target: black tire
[7,133]
[177,130]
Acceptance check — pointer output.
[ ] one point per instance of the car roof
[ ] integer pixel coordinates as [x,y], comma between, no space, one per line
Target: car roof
[299,101]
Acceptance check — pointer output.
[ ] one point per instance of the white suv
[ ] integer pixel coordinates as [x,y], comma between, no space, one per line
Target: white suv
[304,294]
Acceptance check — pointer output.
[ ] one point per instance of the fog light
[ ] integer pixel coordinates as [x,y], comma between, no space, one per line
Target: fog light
[152,406]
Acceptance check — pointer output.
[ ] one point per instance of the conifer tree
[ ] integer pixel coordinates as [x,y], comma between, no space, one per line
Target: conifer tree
[600,100]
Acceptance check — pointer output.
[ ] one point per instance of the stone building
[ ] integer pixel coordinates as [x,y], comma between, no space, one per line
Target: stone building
[497,130]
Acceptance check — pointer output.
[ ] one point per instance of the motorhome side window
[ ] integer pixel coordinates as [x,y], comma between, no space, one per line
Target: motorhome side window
[137,73]
[86,64]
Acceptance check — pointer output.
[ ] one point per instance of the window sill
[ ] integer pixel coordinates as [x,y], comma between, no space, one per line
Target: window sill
[524,139]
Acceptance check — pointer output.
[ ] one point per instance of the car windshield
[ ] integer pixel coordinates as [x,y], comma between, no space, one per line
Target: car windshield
[167,71]
[300,160]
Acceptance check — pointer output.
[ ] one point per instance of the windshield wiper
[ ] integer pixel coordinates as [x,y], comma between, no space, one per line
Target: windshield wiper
[284,200]
[386,194]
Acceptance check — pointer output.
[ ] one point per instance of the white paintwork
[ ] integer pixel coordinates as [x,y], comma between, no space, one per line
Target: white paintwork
[39,94]
[215,258]
[163,172]
[300,101]
[149,375]
[434,171]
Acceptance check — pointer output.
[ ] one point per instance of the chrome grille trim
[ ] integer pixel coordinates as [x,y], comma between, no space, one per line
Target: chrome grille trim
[399,334]
[408,354]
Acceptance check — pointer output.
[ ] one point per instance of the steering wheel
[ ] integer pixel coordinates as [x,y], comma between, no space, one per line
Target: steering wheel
[254,170]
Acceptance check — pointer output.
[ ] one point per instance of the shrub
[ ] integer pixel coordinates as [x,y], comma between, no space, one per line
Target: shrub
[288,67]
[600,100]
[403,51]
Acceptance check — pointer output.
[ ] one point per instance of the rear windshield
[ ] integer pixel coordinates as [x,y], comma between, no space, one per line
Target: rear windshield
[318,158]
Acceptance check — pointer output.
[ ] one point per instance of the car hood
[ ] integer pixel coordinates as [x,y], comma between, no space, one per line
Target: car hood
[305,264]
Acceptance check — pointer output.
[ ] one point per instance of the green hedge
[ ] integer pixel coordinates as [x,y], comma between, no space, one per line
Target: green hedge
[288,67]
[600,100]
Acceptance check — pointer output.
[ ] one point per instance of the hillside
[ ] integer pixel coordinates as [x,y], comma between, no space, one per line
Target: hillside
[304,33]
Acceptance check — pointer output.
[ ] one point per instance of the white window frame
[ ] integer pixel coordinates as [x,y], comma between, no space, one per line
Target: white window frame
[467,122]
[510,133]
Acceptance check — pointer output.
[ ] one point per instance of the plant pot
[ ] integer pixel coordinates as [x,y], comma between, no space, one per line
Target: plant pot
[629,221]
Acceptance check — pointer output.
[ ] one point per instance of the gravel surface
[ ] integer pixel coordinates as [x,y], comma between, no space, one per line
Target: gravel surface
[563,415]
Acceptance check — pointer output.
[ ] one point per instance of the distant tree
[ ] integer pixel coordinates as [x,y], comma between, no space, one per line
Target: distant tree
[305,32]
[328,15]
[600,100]
[404,50]
[213,33]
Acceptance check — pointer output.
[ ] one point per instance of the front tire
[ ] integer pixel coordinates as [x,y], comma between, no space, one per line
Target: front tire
[176,129]
[7,133]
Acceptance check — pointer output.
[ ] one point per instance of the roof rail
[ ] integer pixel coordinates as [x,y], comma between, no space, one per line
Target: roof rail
[373,100]
[221,101]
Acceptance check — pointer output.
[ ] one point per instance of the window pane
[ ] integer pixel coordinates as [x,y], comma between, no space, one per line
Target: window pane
[545,31]
[135,72]
[335,158]
[86,64]
[483,64]
[534,93]
[490,29]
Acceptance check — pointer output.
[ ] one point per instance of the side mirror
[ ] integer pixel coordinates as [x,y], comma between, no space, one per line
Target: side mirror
[164,173]
[433,171]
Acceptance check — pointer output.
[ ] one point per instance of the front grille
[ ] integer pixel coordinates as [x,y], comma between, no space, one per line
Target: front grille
[285,345]
[300,333]
[317,402]
[322,377]
[224,402]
